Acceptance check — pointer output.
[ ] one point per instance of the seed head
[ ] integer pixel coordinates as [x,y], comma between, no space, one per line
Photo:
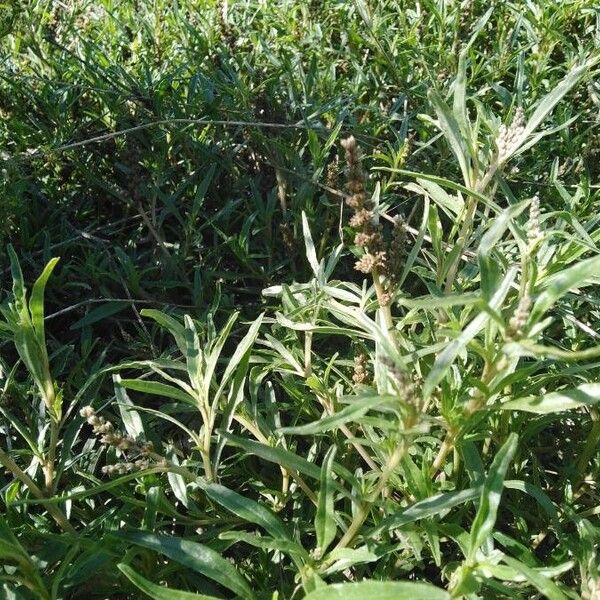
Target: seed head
[519,319]
[361,374]
[368,262]
[533,226]
[508,137]
[361,218]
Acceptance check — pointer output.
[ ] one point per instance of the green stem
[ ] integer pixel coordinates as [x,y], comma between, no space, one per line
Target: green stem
[50,458]
[54,511]
[364,510]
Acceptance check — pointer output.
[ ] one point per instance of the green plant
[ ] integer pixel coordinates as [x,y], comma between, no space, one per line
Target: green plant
[325,322]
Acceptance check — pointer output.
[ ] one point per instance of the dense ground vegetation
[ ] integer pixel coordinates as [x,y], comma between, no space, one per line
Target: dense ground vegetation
[325,319]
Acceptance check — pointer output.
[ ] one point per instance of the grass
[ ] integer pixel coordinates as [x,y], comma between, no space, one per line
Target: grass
[324,322]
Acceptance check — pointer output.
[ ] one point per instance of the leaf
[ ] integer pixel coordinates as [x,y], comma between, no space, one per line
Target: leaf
[490,496]
[325,526]
[195,556]
[131,418]
[550,100]
[246,509]
[158,389]
[427,508]
[276,455]
[158,592]
[447,357]
[452,205]
[459,106]
[215,351]
[350,413]
[108,309]
[379,590]
[544,585]
[240,353]
[451,129]
[176,329]
[311,253]
[266,542]
[18,281]
[578,275]
[176,480]
[487,265]
[193,354]
[36,302]
[288,459]
[586,394]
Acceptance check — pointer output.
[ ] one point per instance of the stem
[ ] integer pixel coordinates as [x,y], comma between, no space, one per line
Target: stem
[54,511]
[443,452]
[363,511]
[308,336]
[465,231]
[50,459]
[593,438]
[383,304]
[205,450]
[490,370]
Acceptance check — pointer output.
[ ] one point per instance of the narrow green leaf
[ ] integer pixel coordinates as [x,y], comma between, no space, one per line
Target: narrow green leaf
[350,413]
[447,357]
[36,302]
[266,543]
[240,353]
[192,555]
[578,275]
[193,354]
[246,509]
[451,130]
[158,592]
[212,357]
[157,389]
[428,507]
[550,100]
[130,417]
[18,282]
[311,253]
[488,266]
[325,526]
[276,455]
[176,329]
[379,590]
[586,394]
[105,310]
[543,584]
[490,495]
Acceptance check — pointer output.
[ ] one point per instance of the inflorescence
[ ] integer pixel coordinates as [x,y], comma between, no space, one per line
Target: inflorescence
[109,436]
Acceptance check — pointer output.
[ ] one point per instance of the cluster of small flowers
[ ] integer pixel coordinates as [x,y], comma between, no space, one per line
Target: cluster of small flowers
[533,225]
[112,437]
[369,234]
[104,428]
[519,319]
[126,467]
[408,388]
[395,254]
[361,374]
[356,177]
[367,262]
[509,136]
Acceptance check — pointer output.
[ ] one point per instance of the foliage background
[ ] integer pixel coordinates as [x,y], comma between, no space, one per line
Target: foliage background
[167,152]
